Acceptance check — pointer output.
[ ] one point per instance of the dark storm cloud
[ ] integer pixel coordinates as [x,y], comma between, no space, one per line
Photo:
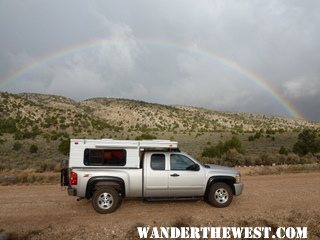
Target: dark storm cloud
[166,51]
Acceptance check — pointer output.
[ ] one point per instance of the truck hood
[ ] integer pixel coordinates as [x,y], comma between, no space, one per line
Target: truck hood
[221,169]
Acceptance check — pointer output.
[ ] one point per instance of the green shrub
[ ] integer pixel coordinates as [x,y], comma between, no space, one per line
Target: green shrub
[221,148]
[17,146]
[267,159]
[307,143]
[54,137]
[146,136]
[234,143]
[64,146]
[31,178]
[249,161]
[33,148]
[254,137]
[8,125]
[233,158]
[270,131]
[293,159]
[2,167]
[251,138]
[213,151]
[283,151]
[26,135]
[257,135]
[99,124]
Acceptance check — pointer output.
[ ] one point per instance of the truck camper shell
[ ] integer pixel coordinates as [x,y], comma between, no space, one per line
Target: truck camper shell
[132,149]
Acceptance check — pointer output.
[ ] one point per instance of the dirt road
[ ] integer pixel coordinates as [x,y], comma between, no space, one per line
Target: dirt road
[46,212]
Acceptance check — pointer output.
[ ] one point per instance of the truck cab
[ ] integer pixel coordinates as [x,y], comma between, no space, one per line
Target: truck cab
[180,175]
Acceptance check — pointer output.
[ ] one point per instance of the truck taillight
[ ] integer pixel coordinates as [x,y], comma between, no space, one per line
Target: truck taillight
[73,178]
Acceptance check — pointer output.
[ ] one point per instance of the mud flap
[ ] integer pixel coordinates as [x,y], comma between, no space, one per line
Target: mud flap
[64,173]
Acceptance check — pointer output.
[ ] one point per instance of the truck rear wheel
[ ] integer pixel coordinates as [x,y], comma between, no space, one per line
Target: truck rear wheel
[220,195]
[105,200]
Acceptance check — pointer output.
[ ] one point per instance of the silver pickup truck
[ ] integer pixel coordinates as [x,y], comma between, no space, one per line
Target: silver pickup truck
[107,171]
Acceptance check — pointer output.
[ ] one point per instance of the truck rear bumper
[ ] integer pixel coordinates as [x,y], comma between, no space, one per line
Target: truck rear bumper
[238,187]
[72,191]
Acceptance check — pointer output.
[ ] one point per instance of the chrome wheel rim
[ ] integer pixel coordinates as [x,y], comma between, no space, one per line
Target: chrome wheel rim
[221,195]
[105,200]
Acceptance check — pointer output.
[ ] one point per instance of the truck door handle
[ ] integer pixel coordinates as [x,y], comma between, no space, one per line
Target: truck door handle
[175,175]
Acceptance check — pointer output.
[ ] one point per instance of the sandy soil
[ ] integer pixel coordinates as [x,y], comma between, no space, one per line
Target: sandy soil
[47,212]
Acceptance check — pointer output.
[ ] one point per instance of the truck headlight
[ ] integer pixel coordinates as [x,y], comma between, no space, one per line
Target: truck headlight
[238,178]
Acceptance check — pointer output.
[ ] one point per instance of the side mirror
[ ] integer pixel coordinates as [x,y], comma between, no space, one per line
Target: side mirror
[194,167]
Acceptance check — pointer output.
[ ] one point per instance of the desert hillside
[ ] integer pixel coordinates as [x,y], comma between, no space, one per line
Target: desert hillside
[33,126]
[49,112]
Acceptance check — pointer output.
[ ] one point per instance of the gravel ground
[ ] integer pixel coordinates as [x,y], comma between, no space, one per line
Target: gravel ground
[47,212]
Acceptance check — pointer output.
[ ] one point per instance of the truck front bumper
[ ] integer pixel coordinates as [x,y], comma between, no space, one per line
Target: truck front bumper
[72,191]
[238,187]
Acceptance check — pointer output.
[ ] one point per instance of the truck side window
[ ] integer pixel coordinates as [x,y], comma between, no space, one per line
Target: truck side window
[158,162]
[180,162]
[105,157]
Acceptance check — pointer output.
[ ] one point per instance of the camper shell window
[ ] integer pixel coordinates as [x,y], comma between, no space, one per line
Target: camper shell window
[105,157]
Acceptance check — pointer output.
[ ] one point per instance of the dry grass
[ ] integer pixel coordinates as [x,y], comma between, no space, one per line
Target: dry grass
[28,177]
[282,169]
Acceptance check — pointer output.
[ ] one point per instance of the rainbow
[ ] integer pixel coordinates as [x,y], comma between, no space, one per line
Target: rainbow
[235,66]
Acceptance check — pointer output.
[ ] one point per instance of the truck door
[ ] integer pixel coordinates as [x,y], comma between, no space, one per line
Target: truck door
[186,178]
[156,175]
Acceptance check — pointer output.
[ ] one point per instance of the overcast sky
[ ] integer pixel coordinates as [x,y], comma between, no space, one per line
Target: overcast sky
[166,51]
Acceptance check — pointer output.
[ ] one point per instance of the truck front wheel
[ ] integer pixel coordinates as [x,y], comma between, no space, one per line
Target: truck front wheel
[220,195]
[105,200]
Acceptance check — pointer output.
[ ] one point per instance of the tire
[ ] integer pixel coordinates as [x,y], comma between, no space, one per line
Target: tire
[105,200]
[220,195]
